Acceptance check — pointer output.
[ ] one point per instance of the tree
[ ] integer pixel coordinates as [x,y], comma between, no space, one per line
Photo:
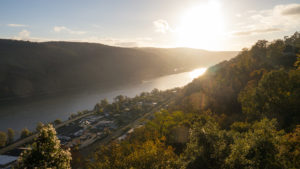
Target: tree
[256,148]
[39,126]
[208,145]
[297,63]
[149,154]
[289,150]
[104,103]
[57,121]
[3,139]
[119,98]
[25,133]
[11,135]
[45,152]
[277,95]
[97,107]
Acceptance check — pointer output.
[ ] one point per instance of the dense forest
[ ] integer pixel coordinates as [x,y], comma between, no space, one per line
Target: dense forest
[241,114]
[29,68]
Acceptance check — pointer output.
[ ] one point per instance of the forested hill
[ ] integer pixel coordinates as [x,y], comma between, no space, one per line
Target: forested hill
[260,79]
[28,68]
[241,114]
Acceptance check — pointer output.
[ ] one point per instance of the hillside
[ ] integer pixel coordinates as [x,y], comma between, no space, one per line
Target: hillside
[30,68]
[243,113]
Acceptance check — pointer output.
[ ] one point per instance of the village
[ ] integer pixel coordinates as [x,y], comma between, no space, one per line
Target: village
[111,121]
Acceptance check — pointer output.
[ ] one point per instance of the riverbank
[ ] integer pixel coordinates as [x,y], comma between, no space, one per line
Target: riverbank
[27,113]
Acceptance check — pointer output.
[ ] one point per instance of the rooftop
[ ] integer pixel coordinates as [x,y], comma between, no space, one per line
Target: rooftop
[5,159]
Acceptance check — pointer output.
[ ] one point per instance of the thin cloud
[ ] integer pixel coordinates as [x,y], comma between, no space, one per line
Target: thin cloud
[279,18]
[161,26]
[256,31]
[96,26]
[291,9]
[59,29]
[23,35]
[134,42]
[16,25]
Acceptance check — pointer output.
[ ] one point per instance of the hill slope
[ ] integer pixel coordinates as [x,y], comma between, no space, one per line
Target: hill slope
[242,113]
[28,68]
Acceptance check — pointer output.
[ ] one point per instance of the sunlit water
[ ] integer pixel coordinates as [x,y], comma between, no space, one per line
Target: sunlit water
[27,113]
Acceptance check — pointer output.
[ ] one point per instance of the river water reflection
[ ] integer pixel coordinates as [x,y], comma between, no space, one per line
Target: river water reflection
[28,112]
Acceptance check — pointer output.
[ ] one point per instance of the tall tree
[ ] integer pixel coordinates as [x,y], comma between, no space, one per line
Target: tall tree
[3,139]
[39,126]
[45,152]
[25,133]
[11,135]
[256,148]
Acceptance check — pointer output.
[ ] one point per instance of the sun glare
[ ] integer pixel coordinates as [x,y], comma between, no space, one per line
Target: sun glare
[197,72]
[201,27]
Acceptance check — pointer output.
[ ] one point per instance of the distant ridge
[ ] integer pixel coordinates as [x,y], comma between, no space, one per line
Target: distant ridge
[33,68]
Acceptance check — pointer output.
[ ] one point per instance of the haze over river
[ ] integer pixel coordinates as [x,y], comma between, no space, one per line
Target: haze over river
[28,112]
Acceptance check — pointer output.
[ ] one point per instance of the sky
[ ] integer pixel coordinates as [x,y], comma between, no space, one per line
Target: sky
[203,24]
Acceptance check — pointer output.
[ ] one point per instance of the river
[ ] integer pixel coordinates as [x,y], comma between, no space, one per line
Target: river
[26,113]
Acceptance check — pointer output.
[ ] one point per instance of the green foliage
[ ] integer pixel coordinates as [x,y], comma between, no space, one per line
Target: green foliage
[297,63]
[39,126]
[149,154]
[57,121]
[256,148]
[289,153]
[164,122]
[25,133]
[3,139]
[208,145]
[45,152]
[243,93]
[276,96]
[10,135]
[240,127]
[71,65]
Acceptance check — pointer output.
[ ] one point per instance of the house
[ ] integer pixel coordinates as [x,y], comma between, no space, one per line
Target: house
[64,138]
[122,137]
[104,122]
[85,124]
[78,133]
[131,130]
[116,115]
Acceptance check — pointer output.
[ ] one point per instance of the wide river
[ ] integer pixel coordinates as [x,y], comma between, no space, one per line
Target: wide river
[28,112]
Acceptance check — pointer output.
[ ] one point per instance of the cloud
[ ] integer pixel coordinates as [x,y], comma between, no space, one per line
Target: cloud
[96,26]
[26,35]
[133,42]
[279,18]
[127,44]
[23,35]
[256,31]
[120,42]
[290,9]
[161,26]
[16,25]
[59,29]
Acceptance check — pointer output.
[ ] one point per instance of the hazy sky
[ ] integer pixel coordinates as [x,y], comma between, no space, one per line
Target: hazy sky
[206,24]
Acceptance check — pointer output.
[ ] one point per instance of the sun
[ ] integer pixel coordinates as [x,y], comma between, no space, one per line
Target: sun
[201,27]
[197,72]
